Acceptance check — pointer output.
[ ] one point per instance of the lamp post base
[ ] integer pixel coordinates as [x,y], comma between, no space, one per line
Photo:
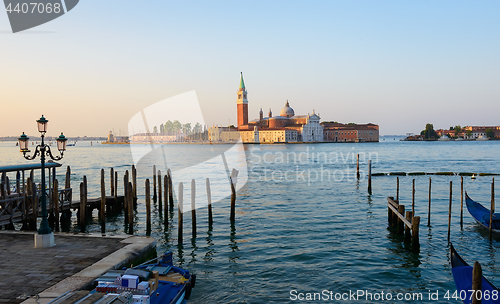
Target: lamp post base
[44,240]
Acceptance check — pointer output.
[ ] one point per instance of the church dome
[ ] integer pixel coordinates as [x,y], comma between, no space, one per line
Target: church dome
[287,111]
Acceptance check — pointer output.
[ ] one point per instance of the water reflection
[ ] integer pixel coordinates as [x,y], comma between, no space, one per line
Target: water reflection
[210,250]
[233,244]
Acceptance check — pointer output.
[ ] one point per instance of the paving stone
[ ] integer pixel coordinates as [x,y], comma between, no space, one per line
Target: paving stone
[28,270]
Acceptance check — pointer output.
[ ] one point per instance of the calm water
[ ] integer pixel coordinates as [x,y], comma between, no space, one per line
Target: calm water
[304,223]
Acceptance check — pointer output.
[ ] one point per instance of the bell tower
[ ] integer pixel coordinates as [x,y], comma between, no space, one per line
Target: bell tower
[242,104]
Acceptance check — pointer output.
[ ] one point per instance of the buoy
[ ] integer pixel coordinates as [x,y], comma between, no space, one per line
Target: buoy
[473,176]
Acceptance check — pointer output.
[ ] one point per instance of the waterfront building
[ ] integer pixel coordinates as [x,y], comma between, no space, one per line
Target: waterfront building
[339,132]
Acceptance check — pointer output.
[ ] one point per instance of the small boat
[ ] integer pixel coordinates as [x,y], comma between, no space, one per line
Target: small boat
[156,283]
[481,137]
[482,214]
[444,137]
[71,145]
[462,275]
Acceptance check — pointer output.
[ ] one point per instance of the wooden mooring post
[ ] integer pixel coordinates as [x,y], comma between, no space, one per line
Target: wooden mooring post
[370,176]
[170,190]
[148,207]
[165,205]
[102,211]
[116,188]
[111,181]
[492,210]
[477,280]
[125,195]
[130,207]
[397,188]
[449,211]
[357,166]
[180,203]
[405,223]
[134,182]
[159,190]
[413,197]
[209,200]
[193,207]
[429,212]
[154,183]
[233,180]
[461,202]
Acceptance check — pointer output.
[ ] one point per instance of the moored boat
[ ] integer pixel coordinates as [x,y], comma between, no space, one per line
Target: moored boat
[481,214]
[462,275]
[156,283]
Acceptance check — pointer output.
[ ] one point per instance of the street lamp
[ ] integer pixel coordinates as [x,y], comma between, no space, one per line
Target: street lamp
[43,150]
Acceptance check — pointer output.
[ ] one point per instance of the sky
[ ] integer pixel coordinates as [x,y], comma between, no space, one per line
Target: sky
[399,64]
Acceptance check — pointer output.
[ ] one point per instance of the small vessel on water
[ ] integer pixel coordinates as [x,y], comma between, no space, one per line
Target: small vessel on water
[481,214]
[156,283]
[444,137]
[69,145]
[481,137]
[462,275]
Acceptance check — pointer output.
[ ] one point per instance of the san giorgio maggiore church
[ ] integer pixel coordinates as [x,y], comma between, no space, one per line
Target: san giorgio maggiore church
[287,127]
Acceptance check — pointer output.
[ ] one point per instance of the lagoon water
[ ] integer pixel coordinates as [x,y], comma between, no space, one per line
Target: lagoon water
[304,224]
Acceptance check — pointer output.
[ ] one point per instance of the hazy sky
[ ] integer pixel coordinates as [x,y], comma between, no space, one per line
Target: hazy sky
[400,64]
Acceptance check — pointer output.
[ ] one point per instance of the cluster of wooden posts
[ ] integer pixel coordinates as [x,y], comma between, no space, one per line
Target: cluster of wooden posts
[410,222]
[162,194]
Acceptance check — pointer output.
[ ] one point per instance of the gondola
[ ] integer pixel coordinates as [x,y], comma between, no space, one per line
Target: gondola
[462,274]
[482,214]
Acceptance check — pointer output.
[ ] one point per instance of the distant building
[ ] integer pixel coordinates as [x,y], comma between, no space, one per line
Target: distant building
[111,137]
[338,132]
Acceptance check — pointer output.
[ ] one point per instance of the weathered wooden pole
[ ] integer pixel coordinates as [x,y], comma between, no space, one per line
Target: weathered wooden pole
[233,180]
[56,203]
[370,176]
[111,181]
[159,190]
[449,213]
[389,212]
[116,188]
[357,166]
[180,206]
[397,188]
[82,207]
[130,207]
[492,210]
[461,202]
[401,224]
[477,279]
[415,232]
[154,183]
[429,215]
[209,199]
[395,218]
[148,207]
[134,181]
[170,190]
[409,218]
[193,206]
[67,183]
[413,197]
[102,213]
[165,205]
[125,195]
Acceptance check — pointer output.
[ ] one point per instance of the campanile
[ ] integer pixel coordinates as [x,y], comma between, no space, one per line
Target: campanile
[242,104]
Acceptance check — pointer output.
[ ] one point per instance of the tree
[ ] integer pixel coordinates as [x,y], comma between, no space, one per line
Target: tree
[458,130]
[168,127]
[162,129]
[176,126]
[186,128]
[429,132]
[468,133]
[155,130]
[489,133]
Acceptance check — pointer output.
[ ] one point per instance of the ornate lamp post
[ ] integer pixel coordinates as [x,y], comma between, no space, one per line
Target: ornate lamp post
[43,150]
